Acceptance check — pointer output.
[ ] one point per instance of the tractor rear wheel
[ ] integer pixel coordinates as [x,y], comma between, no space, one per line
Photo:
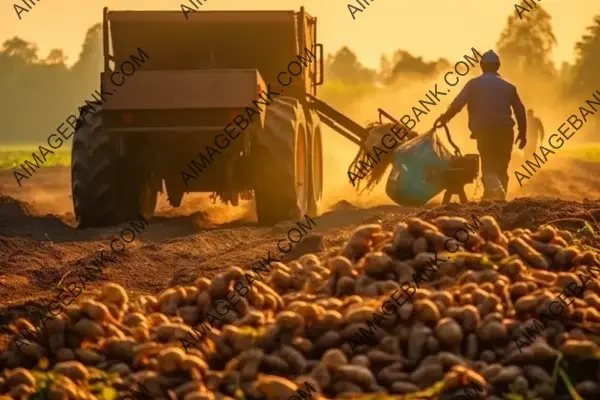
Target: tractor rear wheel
[94,183]
[315,164]
[280,152]
[106,191]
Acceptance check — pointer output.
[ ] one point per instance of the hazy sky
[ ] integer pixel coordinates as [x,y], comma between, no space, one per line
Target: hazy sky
[429,28]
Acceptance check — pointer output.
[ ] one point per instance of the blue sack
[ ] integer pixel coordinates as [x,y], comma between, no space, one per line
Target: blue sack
[417,171]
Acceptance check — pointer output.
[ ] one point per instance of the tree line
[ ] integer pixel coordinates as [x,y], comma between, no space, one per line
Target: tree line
[37,93]
[525,47]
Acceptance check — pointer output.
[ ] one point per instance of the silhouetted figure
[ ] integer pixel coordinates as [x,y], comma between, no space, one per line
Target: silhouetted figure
[534,129]
[489,100]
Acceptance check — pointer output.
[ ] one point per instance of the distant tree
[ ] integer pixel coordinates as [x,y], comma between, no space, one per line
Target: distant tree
[46,88]
[17,59]
[56,57]
[407,64]
[90,62]
[17,47]
[347,80]
[525,46]
[586,73]
[397,56]
[442,65]
[410,63]
[16,56]
[345,67]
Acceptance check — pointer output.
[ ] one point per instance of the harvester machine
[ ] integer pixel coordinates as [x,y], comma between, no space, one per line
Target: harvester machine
[172,125]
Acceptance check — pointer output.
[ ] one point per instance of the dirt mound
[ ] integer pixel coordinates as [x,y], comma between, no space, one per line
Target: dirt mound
[526,212]
[11,208]
[567,179]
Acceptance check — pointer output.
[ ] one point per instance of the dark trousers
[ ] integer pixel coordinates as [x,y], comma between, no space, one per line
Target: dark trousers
[495,148]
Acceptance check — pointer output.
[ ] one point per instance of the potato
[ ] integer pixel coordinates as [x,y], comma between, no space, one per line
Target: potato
[72,369]
[449,332]
[527,253]
[334,358]
[89,329]
[189,362]
[297,323]
[169,359]
[20,376]
[341,266]
[377,264]
[89,356]
[275,388]
[115,294]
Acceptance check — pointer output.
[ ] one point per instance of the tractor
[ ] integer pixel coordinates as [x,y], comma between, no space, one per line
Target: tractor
[200,73]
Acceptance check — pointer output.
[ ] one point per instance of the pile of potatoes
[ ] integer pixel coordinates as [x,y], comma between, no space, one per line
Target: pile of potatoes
[291,331]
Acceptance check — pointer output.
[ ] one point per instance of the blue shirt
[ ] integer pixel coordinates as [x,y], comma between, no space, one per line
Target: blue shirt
[489,100]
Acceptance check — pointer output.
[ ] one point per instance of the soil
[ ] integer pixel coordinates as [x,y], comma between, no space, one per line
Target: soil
[40,248]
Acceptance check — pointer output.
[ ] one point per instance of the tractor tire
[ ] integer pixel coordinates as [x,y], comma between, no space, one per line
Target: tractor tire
[106,192]
[94,182]
[315,164]
[280,171]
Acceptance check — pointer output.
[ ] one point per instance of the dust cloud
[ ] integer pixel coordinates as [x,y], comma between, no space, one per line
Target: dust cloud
[207,211]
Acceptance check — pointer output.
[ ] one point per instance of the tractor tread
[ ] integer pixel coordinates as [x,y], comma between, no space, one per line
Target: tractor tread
[94,182]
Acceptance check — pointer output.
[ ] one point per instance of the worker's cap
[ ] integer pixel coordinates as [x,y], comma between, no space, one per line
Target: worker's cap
[490,57]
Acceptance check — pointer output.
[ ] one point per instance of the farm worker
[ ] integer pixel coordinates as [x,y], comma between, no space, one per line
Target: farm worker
[489,100]
[534,127]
